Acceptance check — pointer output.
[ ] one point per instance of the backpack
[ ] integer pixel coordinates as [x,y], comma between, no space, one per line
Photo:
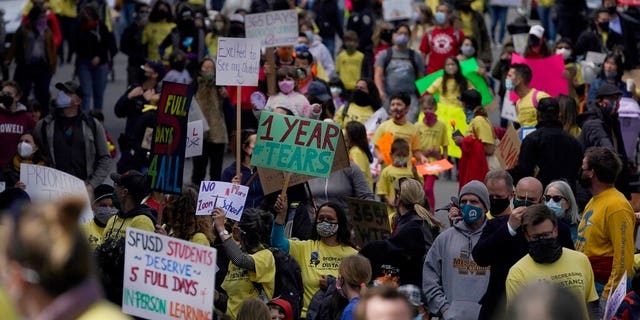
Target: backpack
[288,281]
[412,55]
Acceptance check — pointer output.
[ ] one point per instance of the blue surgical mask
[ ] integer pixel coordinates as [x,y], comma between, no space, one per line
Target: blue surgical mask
[508,84]
[62,100]
[556,207]
[608,108]
[310,36]
[440,17]
[471,214]
[335,90]
[401,40]
[467,51]
[610,75]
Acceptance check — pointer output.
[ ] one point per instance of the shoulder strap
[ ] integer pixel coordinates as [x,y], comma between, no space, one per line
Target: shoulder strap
[388,58]
[412,58]
[534,98]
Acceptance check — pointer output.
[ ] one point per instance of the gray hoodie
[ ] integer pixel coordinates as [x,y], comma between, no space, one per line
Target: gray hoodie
[451,280]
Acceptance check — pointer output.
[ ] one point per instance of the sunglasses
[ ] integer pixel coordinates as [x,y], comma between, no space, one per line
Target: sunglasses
[555,198]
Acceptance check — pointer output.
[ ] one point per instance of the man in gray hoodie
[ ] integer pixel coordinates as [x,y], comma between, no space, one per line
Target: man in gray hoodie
[452,283]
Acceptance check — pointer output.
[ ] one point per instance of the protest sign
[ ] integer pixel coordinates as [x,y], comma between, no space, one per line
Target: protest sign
[272,29]
[397,9]
[237,62]
[295,144]
[167,278]
[195,139]
[384,145]
[434,167]
[369,219]
[509,148]
[509,110]
[615,298]
[520,42]
[469,69]
[45,184]
[217,194]
[273,180]
[547,75]
[169,139]
[447,114]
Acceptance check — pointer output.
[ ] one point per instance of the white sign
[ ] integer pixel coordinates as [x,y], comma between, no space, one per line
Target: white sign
[509,109]
[195,139]
[2,186]
[46,184]
[167,278]
[272,29]
[616,298]
[238,62]
[228,196]
[397,9]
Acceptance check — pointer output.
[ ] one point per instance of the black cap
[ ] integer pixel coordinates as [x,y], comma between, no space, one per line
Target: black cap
[133,181]
[304,55]
[607,90]
[157,67]
[102,191]
[319,90]
[549,105]
[471,97]
[71,86]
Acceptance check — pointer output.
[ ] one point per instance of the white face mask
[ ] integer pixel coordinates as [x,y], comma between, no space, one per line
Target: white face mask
[566,53]
[25,149]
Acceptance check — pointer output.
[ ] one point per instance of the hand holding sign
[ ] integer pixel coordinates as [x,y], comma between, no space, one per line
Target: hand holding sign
[228,196]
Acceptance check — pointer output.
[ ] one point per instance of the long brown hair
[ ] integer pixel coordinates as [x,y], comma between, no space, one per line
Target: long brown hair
[181,216]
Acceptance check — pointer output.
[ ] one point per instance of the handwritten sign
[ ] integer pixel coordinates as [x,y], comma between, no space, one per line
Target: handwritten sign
[167,278]
[272,29]
[295,144]
[195,139]
[509,148]
[228,196]
[369,219]
[46,184]
[238,62]
[169,139]
[547,75]
[434,167]
[396,9]
[616,298]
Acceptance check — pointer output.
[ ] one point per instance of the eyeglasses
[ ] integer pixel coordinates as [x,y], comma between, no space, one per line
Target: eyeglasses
[555,198]
[541,236]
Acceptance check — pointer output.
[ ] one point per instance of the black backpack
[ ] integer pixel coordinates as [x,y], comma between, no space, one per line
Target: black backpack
[288,281]
[412,59]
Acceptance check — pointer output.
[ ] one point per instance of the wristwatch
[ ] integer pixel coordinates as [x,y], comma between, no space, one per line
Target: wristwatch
[223,232]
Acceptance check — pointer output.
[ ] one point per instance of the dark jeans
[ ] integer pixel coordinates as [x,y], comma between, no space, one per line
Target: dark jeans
[498,19]
[213,152]
[36,76]
[93,80]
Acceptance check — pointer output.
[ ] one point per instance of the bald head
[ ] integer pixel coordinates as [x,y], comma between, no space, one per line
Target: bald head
[529,189]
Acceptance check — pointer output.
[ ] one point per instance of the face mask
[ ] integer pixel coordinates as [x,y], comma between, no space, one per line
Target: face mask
[25,149]
[610,75]
[326,229]
[335,90]
[440,17]
[397,114]
[400,161]
[604,26]
[508,84]
[521,203]
[545,250]
[469,115]
[115,201]
[498,206]
[103,214]
[286,86]
[310,35]
[219,25]
[609,107]
[208,78]
[467,51]
[401,40]
[361,98]
[556,207]
[430,118]
[6,100]
[471,214]
[566,53]
[302,47]
[62,100]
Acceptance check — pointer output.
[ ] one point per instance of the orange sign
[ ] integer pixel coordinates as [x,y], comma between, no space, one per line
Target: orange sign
[434,167]
[509,148]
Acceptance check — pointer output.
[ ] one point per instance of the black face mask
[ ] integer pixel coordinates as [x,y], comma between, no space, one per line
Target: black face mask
[612,10]
[604,26]
[498,206]
[361,98]
[585,182]
[6,100]
[545,250]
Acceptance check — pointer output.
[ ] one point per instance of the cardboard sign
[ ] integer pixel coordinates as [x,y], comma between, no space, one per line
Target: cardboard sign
[272,29]
[217,194]
[46,184]
[273,180]
[237,62]
[397,9]
[547,75]
[615,298]
[369,219]
[295,144]
[434,167]
[169,139]
[195,139]
[167,278]
[509,148]
[509,110]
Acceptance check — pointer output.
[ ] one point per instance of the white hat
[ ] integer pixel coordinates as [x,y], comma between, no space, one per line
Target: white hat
[537,31]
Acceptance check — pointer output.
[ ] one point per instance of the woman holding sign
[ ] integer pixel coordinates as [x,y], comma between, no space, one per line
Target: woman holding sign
[321,256]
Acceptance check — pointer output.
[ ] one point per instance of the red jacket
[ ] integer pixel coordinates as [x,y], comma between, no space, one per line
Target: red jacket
[473,162]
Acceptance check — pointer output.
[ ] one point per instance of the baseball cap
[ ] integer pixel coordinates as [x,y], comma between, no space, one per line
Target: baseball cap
[102,191]
[537,31]
[471,97]
[548,105]
[318,90]
[607,90]
[134,181]
[157,67]
[71,86]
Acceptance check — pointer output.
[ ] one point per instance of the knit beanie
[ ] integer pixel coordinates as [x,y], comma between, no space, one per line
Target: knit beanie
[478,189]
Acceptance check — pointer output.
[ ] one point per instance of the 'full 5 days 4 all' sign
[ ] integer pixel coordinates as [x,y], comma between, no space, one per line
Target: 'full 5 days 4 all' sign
[295,144]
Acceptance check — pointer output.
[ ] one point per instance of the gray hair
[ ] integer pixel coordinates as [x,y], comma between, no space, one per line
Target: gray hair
[567,193]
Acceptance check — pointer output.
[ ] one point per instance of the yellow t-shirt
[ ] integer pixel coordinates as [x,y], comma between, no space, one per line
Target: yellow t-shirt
[388,177]
[407,131]
[606,230]
[153,34]
[354,113]
[94,233]
[117,226]
[65,8]
[239,283]
[526,110]
[316,259]
[571,271]
[432,137]
[481,129]
[211,40]
[349,67]
[467,23]
[200,238]
[362,161]
[453,91]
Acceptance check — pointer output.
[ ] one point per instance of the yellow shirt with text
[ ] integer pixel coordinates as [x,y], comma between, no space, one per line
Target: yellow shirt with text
[94,233]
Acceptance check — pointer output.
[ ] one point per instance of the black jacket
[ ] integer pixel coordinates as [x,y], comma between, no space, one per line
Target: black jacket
[556,153]
[500,250]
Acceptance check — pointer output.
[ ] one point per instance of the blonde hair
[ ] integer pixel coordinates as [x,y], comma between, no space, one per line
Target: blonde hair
[410,194]
[47,241]
[356,271]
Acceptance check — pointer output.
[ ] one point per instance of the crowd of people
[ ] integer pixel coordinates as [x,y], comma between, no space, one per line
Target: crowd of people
[550,236]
